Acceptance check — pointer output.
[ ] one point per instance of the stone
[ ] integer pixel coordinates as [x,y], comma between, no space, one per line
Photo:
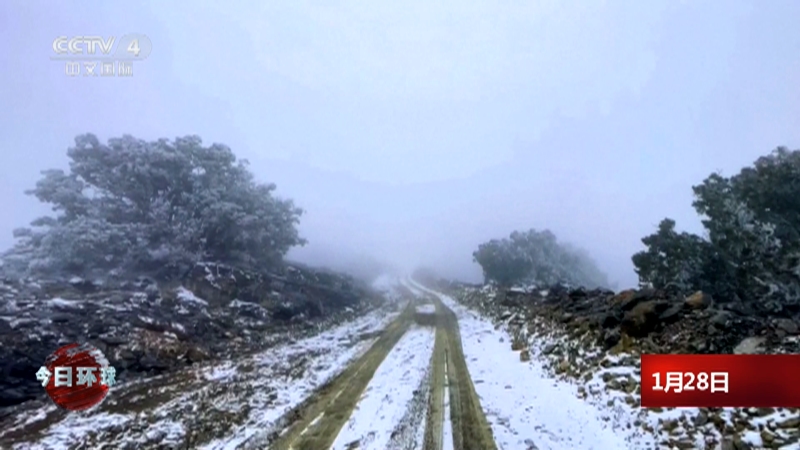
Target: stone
[701,418]
[748,346]
[643,318]
[790,423]
[672,313]
[787,325]
[699,300]
[611,338]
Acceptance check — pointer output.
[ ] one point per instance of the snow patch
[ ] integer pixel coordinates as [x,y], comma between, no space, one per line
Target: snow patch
[62,302]
[427,308]
[188,296]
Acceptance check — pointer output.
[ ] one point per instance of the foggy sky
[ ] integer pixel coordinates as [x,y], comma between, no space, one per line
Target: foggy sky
[412,132]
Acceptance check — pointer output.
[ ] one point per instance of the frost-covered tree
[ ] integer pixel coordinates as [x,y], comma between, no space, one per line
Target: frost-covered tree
[537,257]
[672,259]
[753,247]
[136,205]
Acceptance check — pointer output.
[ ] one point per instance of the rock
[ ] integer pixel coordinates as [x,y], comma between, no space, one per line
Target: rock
[701,418]
[611,338]
[672,313]
[623,297]
[627,300]
[610,319]
[578,293]
[82,285]
[721,320]
[792,423]
[113,340]
[699,300]
[196,354]
[787,325]
[60,318]
[643,318]
[748,346]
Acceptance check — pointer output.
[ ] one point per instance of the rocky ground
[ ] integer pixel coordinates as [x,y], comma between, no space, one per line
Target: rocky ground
[215,405]
[146,328]
[595,338]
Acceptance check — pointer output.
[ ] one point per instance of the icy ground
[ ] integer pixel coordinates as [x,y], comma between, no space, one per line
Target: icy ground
[389,394]
[525,406]
[213,407]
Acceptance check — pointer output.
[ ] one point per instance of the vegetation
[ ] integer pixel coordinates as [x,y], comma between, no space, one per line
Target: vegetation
[752,249]
[132,205]
[536,257]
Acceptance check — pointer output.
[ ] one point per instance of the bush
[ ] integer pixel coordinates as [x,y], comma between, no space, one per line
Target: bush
[752,251]
[145,206]
[537,257]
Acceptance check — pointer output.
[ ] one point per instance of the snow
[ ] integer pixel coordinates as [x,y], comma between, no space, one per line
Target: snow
[447,423]
[188,296]
[58,301]
[427,308]
[332,356]
[220,372]
[388,394]
[522,402]
[214,387]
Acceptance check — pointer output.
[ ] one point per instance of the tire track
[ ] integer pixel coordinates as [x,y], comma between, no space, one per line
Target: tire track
[436,405]
[471,430]
[315,423]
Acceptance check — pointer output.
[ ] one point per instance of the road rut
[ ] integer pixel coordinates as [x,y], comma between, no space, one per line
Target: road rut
[316,423]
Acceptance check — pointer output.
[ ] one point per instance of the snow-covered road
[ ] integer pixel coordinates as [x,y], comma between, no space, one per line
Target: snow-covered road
[526,408]
[390,394]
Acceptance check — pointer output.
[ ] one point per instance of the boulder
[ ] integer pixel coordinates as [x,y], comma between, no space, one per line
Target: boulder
[699,300]
[643,318]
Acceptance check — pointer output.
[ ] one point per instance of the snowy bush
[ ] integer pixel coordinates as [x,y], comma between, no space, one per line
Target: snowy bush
[144,206]
[537,257]
[752,249]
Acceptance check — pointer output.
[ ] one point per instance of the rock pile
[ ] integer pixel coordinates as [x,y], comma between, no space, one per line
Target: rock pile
[658,322]
[145,328]
[595,339]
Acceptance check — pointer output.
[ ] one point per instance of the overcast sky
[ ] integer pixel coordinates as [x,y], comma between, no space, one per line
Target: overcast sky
[414,131]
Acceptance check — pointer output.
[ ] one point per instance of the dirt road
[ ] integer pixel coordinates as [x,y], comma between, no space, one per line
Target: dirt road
[420,372]
[453,418]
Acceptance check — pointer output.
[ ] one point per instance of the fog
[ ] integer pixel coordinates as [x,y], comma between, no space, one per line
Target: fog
[412,132]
